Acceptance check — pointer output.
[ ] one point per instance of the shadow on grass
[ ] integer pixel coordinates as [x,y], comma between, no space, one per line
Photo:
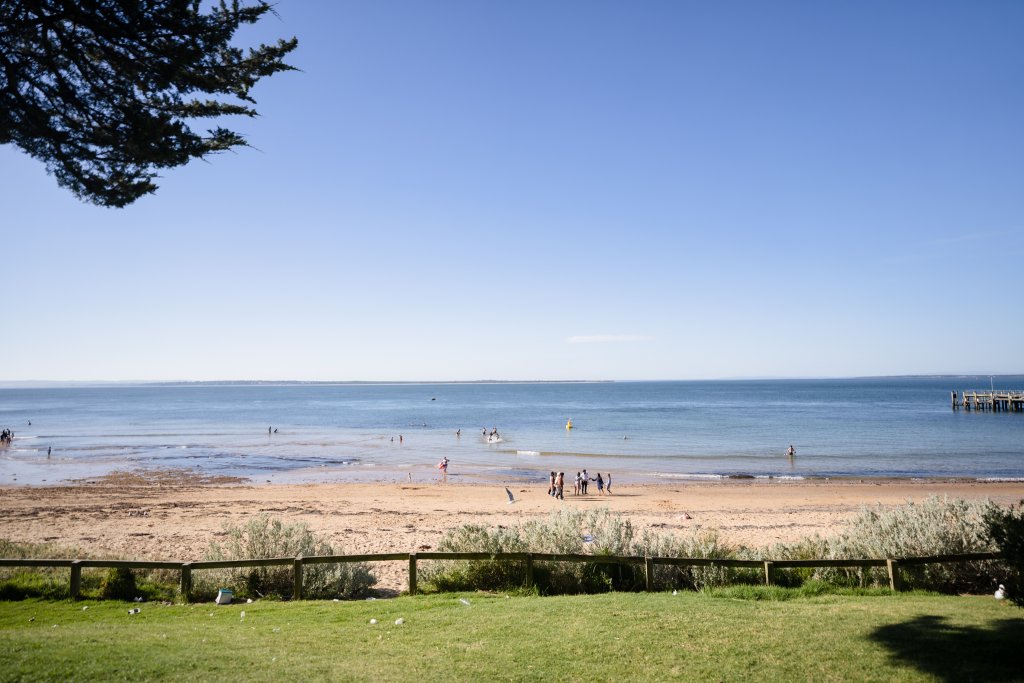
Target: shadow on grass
[953,652]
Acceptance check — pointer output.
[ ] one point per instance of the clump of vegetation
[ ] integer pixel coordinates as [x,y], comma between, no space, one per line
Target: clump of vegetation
[1006,530]
[594,532]
[936,526]
[264,537]
[700,545]
[118,584]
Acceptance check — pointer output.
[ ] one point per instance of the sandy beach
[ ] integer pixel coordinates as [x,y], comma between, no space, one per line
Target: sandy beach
[175,515]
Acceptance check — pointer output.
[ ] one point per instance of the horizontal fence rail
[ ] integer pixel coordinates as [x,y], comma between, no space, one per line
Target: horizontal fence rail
[892,565]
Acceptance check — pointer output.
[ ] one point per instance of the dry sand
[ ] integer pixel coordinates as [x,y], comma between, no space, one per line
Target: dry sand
[175,515]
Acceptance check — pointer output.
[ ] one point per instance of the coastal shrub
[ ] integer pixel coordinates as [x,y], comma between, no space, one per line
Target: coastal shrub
[935,526]
[477,574]
[582,532]
[1006,530]
[567,532]
[264,537]
[704,544]
[817,548]
[118,584]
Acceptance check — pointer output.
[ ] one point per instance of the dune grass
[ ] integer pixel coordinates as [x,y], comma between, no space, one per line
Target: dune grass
[729,635]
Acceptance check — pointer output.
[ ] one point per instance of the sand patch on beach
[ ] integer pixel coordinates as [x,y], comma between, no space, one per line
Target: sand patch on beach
[176,515]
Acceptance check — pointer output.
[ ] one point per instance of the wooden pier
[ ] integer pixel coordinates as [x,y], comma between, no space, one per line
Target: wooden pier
[996,401]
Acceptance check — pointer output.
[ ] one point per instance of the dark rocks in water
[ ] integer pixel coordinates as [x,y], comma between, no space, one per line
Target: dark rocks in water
[740,476]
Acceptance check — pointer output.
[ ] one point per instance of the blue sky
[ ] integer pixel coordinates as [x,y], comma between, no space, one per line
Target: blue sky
[561,190]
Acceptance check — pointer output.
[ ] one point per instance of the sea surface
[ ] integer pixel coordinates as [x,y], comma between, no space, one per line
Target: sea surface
[878,427]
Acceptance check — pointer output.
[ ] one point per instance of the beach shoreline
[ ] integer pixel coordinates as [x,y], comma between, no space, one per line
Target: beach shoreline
[175,515]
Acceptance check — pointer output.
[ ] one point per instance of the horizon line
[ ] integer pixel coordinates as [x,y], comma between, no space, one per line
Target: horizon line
[7,384]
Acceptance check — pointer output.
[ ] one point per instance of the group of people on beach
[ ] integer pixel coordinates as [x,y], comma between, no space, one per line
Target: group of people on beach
[556,484]
[6,437]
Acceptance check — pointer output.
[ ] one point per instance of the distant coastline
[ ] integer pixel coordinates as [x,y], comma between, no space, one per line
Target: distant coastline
[60,384]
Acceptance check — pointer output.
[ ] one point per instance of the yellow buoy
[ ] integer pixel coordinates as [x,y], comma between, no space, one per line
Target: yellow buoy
[568,425]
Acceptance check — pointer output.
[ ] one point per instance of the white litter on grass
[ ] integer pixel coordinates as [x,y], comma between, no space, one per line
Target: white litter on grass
[241,617]
[249,601]
[373,621]
[138,599]
[675,592]
[464,601]
[134,611]
[85,608]
[399,621]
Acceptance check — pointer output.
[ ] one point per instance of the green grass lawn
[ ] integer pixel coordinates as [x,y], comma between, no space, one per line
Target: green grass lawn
[609,637]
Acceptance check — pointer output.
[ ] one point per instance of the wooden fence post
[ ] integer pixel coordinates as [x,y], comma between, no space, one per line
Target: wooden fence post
[529,570]
[186,581]
[769,569]
[648,574]
[895,583]
[297,578]
[412,573]
[76,579]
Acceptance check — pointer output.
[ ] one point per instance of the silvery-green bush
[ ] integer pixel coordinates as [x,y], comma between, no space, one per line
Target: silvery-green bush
[264,537]
[935,526]
[591,532]
[701,544]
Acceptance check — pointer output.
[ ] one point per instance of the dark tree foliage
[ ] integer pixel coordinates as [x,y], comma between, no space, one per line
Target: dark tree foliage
[100,90]
[1006,529]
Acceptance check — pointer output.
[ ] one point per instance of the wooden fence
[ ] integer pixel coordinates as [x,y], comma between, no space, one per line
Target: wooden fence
[892,565]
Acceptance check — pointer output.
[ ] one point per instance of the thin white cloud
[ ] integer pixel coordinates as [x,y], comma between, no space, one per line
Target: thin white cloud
[605,338]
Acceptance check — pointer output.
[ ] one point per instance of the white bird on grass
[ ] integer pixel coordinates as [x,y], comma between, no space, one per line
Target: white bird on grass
[1000,592]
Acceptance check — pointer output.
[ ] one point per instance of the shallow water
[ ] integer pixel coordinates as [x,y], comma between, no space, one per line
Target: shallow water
[886,427]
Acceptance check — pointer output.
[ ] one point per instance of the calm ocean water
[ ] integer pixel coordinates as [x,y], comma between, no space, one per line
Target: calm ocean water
[887,427]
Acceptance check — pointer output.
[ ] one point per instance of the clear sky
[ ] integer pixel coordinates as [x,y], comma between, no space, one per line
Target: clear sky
[562,190]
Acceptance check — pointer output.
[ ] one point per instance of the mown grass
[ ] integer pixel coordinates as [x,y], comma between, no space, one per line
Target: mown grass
[733,634]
